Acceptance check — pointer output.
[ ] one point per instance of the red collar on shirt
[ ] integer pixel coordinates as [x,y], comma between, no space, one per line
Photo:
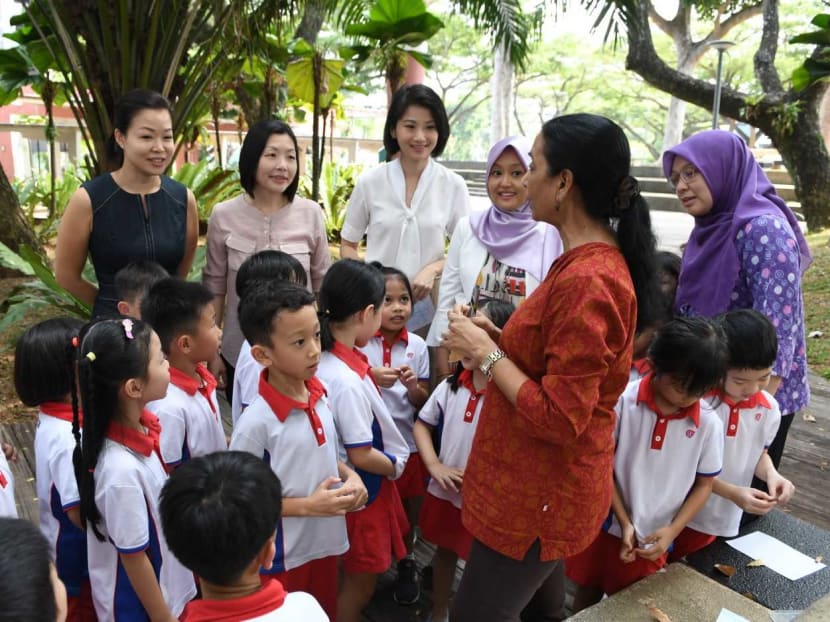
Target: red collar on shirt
[282,405]
[265,600]
[190,385]
[753,401]
[144,444]
[643,366]
[403,335]
[646,394]
[465,379]
[61,410]
[354,358]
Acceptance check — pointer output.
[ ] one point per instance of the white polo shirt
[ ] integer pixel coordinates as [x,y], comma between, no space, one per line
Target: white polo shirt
[191,424]
[457,412]
[245,381]
[361,416]
[128,480]
[658,457]
[750,427]
[639,368]
[407,349]
[269,604]
[57,492]
[299,441]
[8,508]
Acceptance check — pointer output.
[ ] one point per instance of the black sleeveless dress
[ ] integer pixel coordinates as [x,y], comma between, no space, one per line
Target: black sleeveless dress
[122,231]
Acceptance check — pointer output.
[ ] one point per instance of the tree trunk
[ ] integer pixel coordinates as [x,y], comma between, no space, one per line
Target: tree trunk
[15,230]
[314,13]
[502,90]
[675,121]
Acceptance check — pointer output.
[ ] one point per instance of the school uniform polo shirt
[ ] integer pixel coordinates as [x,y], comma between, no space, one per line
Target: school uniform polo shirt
[658,457]
[749,428]
[8,508]
[299,442]
[406,349]
[128,480]
[360,414]
[458,412]
[245,381]
[191,424]
[270,604]
[57,492]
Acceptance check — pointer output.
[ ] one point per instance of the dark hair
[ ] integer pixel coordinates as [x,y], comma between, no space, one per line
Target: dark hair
[269,266]
[669,263]
[133,280]
[107,357]
[44,368]
[252,148]
[26,591]
[173,307]
[348,287]
[750,339]
[416,95]
[126,108]
[596,152]
[692,351]
[259,309]
[498,312]
[218,511]
[389,272]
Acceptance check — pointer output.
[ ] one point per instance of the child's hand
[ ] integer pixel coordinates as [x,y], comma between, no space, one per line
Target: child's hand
[408,377]
[754,501]
[655,545]
[385,376]
[628,544]
[328,501]
[780,488]
[449,478]
[10,452]
[354,486]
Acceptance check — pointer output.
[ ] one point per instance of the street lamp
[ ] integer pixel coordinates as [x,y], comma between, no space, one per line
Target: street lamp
[721,46]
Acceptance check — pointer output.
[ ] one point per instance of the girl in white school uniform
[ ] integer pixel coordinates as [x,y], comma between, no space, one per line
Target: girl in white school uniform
[350,302]
[454,409]
[120,474]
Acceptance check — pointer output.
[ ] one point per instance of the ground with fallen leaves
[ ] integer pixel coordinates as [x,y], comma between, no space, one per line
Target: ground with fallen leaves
[816,288]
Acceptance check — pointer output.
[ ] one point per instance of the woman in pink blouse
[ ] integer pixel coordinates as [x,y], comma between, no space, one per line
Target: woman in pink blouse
[267,216]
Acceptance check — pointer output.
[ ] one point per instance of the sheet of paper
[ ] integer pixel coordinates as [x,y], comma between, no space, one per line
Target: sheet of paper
[422,314]
[777,556]
[730,616]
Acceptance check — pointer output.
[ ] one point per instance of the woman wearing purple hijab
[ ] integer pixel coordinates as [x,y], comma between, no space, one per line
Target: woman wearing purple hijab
[500,253]
[746,251]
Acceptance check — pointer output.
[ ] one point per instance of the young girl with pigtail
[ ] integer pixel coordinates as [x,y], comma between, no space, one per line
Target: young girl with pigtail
[120,474]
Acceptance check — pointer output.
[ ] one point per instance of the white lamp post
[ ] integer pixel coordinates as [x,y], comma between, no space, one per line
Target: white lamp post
[721,46]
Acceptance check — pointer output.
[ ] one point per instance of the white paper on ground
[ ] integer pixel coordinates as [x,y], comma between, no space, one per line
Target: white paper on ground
[777,556]
[730,616]
[422,314]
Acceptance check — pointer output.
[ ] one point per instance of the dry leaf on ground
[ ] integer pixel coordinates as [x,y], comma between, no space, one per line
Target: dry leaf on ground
[809,417]
[658,615]
[756,563]
[725,569]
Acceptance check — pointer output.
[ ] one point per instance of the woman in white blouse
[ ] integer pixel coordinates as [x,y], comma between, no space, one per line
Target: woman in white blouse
[500,253]
[408,207]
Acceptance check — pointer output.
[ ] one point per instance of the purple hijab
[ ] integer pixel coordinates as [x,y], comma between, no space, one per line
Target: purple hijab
[740,192]
[514,238]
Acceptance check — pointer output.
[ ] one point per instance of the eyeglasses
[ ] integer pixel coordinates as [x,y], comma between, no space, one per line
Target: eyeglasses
[687,175]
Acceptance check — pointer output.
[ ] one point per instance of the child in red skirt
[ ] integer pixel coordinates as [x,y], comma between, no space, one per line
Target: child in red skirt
[453,407]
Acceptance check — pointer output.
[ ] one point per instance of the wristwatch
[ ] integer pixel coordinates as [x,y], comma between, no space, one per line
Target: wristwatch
[491,359]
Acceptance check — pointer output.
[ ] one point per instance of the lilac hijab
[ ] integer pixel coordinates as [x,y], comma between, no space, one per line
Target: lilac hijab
[513,237]
[740,192]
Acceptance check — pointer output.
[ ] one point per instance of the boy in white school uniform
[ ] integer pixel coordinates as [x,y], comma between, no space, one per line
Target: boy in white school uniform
[750,418]
[183,315]
[291,427]
[669,448]
[218,513]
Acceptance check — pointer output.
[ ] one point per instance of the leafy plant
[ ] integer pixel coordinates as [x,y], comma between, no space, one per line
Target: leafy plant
[35,194]
[817,67]
[336,186]
[210,184]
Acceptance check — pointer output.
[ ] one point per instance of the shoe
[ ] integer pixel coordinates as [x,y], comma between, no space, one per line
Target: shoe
[426,577]
[407,588]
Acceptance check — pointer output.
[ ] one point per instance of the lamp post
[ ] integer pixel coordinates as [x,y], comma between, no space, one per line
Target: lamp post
[721,46]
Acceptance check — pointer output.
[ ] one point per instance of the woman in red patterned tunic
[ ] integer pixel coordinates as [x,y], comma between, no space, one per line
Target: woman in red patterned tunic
[538,482]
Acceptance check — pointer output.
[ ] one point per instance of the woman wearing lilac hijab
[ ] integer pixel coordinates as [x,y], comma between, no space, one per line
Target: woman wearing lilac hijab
[746,251]
[500,253]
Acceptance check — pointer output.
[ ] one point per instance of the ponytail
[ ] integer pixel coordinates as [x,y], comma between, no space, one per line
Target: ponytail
[348,287]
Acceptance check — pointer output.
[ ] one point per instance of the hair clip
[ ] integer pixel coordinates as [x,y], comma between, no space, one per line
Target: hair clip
[128,327]
[90,470]
[90,355]
[75,341]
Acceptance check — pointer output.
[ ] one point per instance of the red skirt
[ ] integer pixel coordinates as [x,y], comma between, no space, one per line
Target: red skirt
[413,481]
[687,542]
[441,524]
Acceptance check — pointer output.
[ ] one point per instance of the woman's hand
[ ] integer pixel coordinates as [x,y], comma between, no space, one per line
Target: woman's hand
[463,337]
[423,282]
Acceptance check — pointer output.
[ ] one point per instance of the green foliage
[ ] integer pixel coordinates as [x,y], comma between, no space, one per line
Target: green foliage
[786,116]
[817,67]
[34,194]
[336,186]
[210,184]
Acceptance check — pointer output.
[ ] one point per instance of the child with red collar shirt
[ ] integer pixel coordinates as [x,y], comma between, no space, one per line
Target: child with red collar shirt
[750,418]
[120,473]
[44,377]
[291,427]
[182,314]
[218,513]
[669,448]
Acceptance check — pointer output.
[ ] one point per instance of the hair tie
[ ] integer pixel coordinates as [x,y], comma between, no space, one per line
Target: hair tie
[91,356]
[627,192]
[90,470]
[75,341]
[127,323]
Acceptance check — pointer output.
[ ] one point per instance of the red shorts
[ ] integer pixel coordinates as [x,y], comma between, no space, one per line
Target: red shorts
[317,577]
[441,525]
[600,566]
[687,542]
[376,533]
[80,608]
[413,481]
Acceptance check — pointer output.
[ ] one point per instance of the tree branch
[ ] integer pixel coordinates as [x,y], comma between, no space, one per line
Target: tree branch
[764,60]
